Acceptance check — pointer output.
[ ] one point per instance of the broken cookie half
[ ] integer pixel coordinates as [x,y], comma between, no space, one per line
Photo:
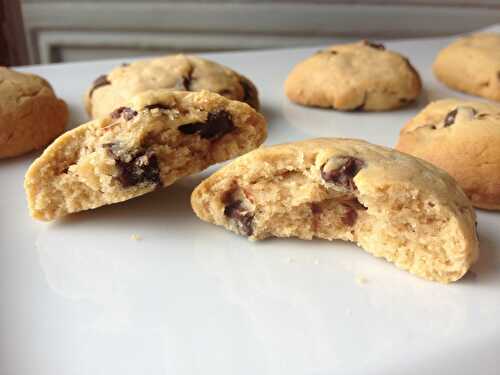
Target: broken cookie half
[392,205]
[159,137]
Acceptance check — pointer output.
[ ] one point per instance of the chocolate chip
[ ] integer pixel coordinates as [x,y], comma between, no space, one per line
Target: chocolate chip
[315,208]
[243,218]
[135,168]
[125,112]
[249,93]
[362,105]
[450,118]
[341,171]
[498,75]
[99,82]
[350,216]
[374,45]
[333,52]
[157,106]
[217,124]
[465,111]
[142,168]
[184,83]
[124,65]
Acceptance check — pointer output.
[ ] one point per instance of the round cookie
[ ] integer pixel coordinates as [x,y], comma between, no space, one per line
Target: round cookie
[360,76]
[472,65]
[176,72]
[463,138]
[392,205]
[159,137]
[31,115]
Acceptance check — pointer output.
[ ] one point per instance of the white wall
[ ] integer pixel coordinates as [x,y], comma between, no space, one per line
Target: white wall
[69,30]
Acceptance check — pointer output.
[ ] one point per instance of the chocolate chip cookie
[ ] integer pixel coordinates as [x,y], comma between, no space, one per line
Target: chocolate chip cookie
[157,138]
[30,113]
[471,64]
[361,76]
[176,72]
[463,138]
[393,205]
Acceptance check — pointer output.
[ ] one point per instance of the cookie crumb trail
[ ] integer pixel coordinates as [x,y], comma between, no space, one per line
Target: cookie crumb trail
[135,237]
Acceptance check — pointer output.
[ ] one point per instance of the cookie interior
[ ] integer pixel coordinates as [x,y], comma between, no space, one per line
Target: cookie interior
[161,137]
[417,230]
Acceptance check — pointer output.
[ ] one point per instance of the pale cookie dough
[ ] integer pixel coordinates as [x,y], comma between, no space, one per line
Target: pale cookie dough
[159,137]
[30,113]
[360,76]
[393,205]
[471,64]
[176,72]
[463,138]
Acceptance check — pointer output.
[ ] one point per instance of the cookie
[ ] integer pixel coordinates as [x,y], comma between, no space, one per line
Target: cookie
[31,115]
[393,205]
[360,76]
[472,65]
[463,138]
[159,137]
[176,72]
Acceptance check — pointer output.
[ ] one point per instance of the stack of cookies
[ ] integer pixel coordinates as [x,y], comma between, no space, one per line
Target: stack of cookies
[156,121]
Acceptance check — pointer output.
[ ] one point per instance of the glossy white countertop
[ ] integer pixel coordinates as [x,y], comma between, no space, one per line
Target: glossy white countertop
[80,296]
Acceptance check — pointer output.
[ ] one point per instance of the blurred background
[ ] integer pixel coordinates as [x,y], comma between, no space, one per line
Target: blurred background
[49,31]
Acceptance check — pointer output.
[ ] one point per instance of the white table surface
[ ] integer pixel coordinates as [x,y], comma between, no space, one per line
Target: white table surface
[80,296]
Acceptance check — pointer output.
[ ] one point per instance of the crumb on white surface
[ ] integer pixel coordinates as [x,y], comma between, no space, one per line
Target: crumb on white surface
[136,237]
[316,261]
[290,260]
[361,280]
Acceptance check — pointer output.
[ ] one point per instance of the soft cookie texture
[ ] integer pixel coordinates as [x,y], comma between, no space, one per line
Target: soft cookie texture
[159,137]
[360,76]
[393,205]
[176,72]
[471,64]
[30,113]
[463,138]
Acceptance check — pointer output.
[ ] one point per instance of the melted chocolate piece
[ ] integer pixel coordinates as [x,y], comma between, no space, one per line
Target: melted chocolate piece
[157,106]
[344,174]
[99,82]
[217,124]
[350,216]
[374,45]
[140,167]
[242,217]
[125,112]
[450,117]
[249,93]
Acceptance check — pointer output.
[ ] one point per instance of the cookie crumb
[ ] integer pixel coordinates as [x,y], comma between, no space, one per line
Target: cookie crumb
[135,237]
[290,260]
[316,261]
[360,280]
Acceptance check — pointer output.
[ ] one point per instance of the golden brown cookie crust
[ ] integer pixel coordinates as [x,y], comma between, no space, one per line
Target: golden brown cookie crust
[175,72]
[31,116]
[159,137]
[462,137]
[472,65]
[393,205]
[359,76]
